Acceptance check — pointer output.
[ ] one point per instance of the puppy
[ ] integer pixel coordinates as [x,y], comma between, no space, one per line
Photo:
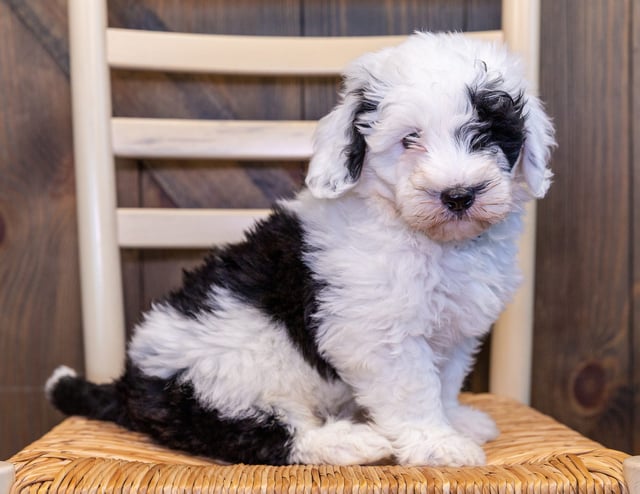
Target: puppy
[366,295]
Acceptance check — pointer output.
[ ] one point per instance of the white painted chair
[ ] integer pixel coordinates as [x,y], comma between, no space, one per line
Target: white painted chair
[104,228]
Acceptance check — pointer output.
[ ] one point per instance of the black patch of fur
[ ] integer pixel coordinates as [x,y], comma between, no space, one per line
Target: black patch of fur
[168,412]
[74,395]
[500,120]
[357,147]
[267,271]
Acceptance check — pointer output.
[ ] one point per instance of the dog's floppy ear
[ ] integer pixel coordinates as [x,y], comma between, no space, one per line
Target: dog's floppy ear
[536,152]
[339,141]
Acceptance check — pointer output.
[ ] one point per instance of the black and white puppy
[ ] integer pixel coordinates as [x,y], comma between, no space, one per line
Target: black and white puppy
[367,294]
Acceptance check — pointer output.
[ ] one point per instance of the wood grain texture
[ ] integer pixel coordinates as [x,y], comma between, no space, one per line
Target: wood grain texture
[635,226]
[481,15]
[26,415]
[582,341]
[39,298]
[128,195]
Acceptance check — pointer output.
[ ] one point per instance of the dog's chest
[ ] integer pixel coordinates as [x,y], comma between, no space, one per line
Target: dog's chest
[474,285]
[459,292]
[437,292]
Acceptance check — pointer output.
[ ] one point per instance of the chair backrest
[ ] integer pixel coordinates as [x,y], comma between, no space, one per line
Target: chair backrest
[98,138]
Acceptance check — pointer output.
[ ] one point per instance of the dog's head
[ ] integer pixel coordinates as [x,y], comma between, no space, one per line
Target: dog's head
[442,130]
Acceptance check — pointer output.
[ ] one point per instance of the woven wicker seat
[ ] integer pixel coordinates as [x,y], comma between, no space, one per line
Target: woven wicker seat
[534,454]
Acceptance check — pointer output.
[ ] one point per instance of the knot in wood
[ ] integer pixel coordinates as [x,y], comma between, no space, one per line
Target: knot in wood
[589,386]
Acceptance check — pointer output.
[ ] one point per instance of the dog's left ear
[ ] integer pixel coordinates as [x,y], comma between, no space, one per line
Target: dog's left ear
[538,143]
[339,141]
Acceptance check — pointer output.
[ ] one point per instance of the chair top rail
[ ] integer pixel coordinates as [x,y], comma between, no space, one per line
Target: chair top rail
[244,55]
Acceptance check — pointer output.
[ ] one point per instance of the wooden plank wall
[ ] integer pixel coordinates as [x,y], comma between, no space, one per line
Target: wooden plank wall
[584,358]
[584,364]
[39,294]
[634,338]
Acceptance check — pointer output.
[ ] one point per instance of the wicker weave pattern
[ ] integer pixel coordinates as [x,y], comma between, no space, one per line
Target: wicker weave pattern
[534,454]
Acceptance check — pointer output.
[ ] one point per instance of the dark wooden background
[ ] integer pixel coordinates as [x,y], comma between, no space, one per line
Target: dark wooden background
[586,368]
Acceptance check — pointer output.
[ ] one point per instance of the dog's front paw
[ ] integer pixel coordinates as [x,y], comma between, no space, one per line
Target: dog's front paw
[473,423]
[445,448]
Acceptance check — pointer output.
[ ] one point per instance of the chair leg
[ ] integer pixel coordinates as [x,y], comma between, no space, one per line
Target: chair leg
[631,470]
[7,476]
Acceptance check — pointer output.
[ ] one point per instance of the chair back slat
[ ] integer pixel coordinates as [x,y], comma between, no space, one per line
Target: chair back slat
[183,228]
[212,139]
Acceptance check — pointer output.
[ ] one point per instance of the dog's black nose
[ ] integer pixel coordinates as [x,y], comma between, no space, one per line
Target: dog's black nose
[458,199]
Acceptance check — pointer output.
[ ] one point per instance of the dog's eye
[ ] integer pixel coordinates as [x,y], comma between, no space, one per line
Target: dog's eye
[411,141]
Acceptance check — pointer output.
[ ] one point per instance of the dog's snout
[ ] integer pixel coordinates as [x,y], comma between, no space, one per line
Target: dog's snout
[458,199]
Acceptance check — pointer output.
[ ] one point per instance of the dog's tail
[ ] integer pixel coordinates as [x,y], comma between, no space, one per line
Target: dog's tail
[74,395]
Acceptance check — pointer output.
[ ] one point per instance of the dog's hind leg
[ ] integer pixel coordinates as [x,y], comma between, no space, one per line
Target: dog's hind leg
[340,442]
